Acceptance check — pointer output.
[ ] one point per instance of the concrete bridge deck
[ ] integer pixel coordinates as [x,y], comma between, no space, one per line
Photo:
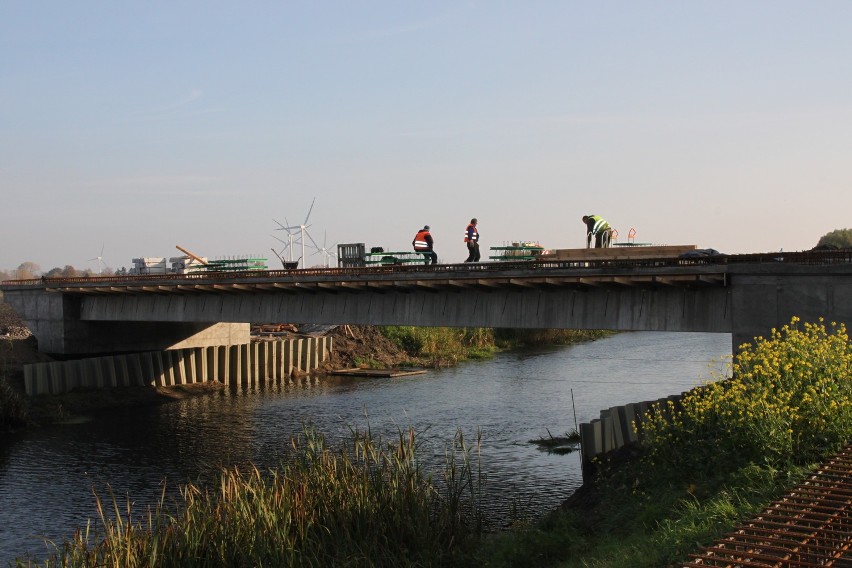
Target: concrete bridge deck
[745,295]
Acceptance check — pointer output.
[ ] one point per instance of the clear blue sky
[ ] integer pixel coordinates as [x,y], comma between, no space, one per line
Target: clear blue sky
[138,126]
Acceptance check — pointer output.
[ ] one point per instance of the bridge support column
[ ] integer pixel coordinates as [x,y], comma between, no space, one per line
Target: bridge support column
[763,299]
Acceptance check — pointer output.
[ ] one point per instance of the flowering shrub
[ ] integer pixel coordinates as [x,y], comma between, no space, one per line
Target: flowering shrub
[789,401]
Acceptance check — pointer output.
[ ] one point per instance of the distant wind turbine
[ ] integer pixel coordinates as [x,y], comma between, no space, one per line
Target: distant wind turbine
[303,231]
[100,259]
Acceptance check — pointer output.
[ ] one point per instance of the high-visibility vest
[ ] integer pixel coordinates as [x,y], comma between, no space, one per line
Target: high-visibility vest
[471,236]
[420,242]
[600,224]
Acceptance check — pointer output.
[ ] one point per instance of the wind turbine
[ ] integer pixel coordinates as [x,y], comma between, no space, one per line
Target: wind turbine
[303,231]
[328,254]
[289,242]
[100,259]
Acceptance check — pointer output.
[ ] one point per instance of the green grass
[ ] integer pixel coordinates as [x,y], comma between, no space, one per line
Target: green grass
[719,457]
[446,346]
[366,504]
[443,346]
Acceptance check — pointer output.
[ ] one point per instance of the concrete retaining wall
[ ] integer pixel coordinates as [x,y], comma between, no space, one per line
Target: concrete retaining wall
[247,364]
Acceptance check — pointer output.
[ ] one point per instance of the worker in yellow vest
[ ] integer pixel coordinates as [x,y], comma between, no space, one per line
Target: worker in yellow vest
[597,227]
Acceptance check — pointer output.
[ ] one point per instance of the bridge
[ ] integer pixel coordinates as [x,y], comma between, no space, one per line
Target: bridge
[745,295]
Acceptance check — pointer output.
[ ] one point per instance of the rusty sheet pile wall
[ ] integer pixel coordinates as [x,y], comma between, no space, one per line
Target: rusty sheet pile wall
[249,364]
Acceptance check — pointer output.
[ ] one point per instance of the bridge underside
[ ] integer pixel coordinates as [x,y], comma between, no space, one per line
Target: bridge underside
[746,300]
[670,309]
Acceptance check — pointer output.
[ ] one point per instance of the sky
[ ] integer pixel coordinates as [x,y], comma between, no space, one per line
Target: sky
[127,128]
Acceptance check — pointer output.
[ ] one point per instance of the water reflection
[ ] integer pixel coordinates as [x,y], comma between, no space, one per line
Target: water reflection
[47,475]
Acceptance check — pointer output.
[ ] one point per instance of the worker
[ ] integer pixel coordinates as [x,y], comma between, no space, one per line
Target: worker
[471,237]
[423,242]
[597,227]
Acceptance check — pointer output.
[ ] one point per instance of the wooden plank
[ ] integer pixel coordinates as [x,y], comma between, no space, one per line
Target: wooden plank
[377,372]
[619,253]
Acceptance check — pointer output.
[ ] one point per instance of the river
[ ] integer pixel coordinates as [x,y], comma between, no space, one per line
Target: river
[47,475]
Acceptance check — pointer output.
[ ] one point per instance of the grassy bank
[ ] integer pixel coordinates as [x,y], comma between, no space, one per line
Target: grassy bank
[367,504]
[721,456]
[446,346]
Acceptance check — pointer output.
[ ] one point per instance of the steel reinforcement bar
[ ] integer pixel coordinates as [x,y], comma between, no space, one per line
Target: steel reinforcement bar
[810,526]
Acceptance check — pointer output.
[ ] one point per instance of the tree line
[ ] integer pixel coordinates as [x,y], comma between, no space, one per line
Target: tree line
[28,270]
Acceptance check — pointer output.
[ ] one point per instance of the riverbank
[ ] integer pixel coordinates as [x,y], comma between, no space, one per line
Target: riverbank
[369,347]
[730,449]
[530,389]
[354,346]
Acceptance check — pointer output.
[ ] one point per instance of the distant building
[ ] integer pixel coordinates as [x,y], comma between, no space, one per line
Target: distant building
[187,265]
[149,265]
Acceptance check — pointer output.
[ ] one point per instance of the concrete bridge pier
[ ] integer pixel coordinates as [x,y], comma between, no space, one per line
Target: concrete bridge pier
[765,298]
[55,319]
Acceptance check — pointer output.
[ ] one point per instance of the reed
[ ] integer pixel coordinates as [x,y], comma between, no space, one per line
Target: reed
[365,504]
[14,410]
[443,346]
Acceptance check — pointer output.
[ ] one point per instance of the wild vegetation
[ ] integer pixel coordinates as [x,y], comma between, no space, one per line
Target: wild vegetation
[445,346]
[367,504]
[720,456]
[838,238]
[13,408]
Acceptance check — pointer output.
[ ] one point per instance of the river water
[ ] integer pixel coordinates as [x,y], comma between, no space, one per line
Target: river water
[47,475]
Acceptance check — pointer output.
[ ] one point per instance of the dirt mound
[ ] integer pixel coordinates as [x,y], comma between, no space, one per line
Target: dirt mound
[365,346]
[11,324]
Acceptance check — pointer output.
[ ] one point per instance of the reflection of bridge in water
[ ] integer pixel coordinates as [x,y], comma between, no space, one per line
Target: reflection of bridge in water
[745,295]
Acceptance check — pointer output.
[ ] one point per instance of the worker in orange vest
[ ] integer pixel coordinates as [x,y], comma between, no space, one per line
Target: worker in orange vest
[471,237]
[423,242]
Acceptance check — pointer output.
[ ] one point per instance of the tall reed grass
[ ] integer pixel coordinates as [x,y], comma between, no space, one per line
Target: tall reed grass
[365,504]
[443,346]
[533,337]
[14,410]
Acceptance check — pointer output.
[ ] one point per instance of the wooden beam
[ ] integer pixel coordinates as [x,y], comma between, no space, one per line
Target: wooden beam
[619,253]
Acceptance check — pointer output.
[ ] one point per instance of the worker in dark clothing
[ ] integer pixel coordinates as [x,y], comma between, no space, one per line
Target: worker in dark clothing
[423,242]
[597,227]
[471,237]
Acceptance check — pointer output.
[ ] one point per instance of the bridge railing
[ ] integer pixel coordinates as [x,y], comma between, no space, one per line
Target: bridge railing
[807,258]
